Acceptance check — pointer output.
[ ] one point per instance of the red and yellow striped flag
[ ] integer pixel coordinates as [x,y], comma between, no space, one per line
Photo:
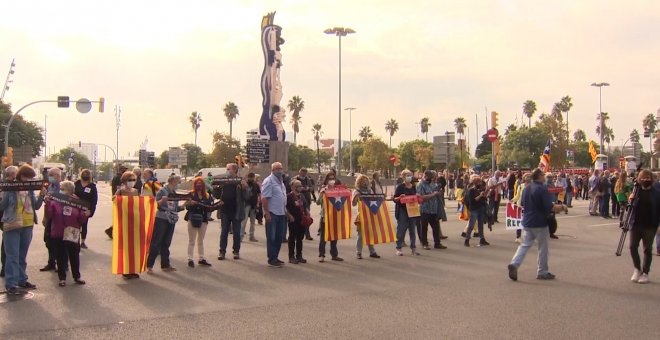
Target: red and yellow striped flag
[132,226]
[337,209]
[375,222]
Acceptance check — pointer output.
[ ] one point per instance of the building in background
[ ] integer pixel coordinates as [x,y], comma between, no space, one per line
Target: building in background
[89,150]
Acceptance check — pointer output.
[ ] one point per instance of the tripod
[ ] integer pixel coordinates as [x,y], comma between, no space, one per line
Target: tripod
[626,220]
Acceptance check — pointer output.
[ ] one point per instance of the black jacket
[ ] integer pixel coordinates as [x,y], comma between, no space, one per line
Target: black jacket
[88,194]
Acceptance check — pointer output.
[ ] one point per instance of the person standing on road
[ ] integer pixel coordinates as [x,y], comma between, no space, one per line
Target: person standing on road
[476,199]
[307,191]
[66,222]
[362,187]
[537,205]
[54,179]
[115,185]
[251,206]
[138,184]
[166,217]
[151,185]
[86,191]
[126,187]
[451,185]
[18,220]
[622,190]
[405,222]
[329,183]
[232,211]
[517,198]
[273,201]
[295,210]
[10,175]
[199,208]
[430,194]
[593,193]
[645,227]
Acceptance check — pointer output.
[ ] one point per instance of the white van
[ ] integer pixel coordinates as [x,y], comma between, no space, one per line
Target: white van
[214,172]
[163,174]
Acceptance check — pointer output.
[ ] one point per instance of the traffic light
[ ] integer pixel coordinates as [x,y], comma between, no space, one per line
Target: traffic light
[647,133]
[63,101]
[101,104]
[151,159]
[239,161]
[493,119]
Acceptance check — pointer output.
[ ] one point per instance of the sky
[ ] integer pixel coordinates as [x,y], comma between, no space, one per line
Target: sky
[442,59]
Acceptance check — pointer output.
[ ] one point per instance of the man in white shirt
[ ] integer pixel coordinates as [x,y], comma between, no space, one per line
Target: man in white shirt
[273,202]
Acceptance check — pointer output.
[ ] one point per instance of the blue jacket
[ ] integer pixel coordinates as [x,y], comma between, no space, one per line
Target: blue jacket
[537,205]
[10,202]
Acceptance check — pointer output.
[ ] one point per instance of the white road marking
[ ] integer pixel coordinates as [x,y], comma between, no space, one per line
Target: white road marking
[604,224]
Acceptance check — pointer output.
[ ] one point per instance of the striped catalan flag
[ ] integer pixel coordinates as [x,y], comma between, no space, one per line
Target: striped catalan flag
[133,223]
[337,209]
[375,221]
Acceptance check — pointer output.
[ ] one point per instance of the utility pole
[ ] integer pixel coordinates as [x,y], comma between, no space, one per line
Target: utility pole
[118,124]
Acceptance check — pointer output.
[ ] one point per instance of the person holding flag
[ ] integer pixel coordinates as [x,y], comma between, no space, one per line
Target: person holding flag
[362,188]
[544,164]
[406,212]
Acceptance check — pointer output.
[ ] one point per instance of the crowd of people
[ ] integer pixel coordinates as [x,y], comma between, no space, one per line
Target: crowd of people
[283,203]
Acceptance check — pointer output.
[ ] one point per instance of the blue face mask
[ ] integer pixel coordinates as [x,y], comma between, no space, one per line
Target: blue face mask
[51,179]
[278,173]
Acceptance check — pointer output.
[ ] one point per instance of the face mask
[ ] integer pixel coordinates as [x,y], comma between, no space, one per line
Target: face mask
[331,182]
[130,184]
[428,179]
[85,178]
[408,179]
[299,189]
[63,192]
[250,181]
[199,188]
[51,179]
[278,173]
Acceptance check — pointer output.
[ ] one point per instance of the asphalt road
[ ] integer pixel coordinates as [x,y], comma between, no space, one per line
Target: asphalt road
[454,293]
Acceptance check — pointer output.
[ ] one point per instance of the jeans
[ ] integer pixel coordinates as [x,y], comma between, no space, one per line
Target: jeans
[226,223]
[250,213]
[296,236]
[359,244]
[646,236]
[274,235]
[423,228]
[404,223]
[615,206]
[605,205]
[569,198]
[83,231]
[16,243]
[160,243]
[196,234]
[477,215]
[594,202]
[529,235]
[333,244]
[494,206]
[66,253]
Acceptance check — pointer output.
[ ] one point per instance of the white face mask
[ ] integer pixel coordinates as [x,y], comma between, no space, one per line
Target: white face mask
[331,182]
[130,184]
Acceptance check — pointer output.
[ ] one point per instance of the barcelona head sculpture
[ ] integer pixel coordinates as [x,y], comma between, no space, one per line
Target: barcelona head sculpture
[272,115]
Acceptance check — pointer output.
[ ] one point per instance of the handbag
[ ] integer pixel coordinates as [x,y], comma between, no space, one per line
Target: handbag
[196,220]
[15,224]
[71,234]
[306,221]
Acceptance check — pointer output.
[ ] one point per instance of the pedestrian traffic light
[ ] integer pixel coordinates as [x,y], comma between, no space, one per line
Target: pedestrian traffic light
[493,119]
[239,161]
[101,104]
[63,101]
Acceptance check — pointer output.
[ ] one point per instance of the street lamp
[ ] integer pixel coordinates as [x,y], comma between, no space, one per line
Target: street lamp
[600,107]
[350,135]
[339,32]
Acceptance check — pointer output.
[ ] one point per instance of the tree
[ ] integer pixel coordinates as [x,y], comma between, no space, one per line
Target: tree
[392,126]
[554,129]
[579,135]
[582,157]
[21,133]
[556,112]
[510,129]
[460,125]
[650,124]
[424,155]
[296,105]
[163,160]
[406,151]
[608,134]
[300,156]
[225,149]
[375,155]
[196,158]
[565,105]
[634,136]
[365,133]
[231,112]
[529,108]
[523,147]
[357,152]
[424,126]
[196,121]
[80,161]
[316,130]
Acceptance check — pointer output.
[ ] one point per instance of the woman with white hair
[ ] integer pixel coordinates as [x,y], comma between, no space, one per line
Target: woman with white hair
[10,175]
[404,221]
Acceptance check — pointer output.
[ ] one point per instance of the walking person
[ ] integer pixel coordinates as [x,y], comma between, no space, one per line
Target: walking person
[362,187]
[329,183]
[10,175]
[85,189]
[295,210]
[201,204]
[645,226]
[18,220]
[232,212]
[517,198]
[537,204]
[54,179]
[404,221]
[475,198]
[252,204]
[430,194]
[65,232]
[166,217]
[273,202]
[494,187]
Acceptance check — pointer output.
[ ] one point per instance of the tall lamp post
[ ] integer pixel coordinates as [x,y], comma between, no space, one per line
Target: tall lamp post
[350,136]
[600,108]
[339,32]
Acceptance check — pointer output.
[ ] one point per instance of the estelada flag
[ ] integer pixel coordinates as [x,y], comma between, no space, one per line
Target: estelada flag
[544,163]
[132,227]
[375,222]
[337,209]
[592,151]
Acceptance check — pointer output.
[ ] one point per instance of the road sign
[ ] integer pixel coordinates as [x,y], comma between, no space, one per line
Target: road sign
[83,105]
[63,101]
[491,135]
[178,156]
[258,151]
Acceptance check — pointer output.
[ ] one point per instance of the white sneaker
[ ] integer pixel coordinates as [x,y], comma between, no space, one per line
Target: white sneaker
[399,253]
[644,278]
[517,240]
[635,276]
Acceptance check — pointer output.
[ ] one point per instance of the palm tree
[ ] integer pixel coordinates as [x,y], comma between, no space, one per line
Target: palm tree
[424,125]
[634,136]
[196,121]
[556,112]
[392,126]
[565,105]
[316,130]
[296,105]
[510,128]
[231,112]
[579,135]
[529,108]
[650,124]
[365,133]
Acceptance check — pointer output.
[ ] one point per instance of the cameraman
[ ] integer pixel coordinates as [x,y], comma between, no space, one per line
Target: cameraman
[645,227]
